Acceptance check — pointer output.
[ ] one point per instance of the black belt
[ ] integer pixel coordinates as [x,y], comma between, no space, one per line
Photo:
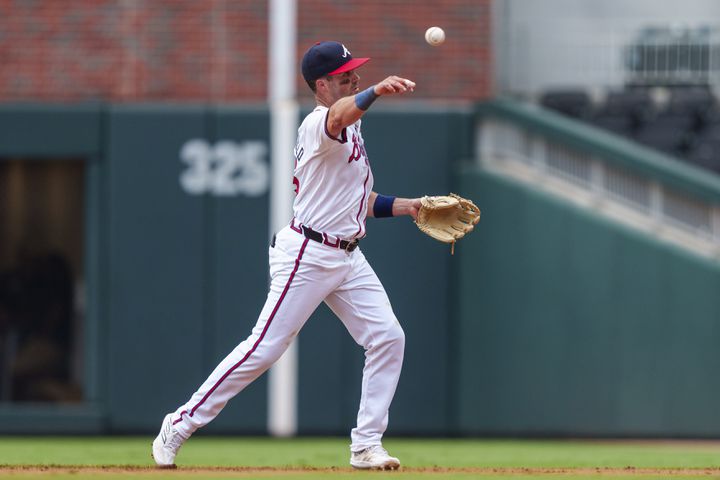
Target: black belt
[318,237]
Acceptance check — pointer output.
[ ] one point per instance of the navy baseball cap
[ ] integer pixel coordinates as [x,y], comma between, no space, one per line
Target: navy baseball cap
[328,58]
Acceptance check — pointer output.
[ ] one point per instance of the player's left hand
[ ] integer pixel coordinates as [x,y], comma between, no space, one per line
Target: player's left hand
[447,218]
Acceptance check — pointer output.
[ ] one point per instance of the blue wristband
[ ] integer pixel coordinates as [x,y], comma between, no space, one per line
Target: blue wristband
[364,99]
[383,206]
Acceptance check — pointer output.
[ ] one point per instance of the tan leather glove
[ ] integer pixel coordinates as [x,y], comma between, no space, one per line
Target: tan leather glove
[447,218]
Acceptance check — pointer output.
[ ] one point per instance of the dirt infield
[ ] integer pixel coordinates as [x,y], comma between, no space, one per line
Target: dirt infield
[483,471]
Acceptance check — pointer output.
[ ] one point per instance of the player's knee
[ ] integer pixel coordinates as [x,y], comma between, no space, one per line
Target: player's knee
[391,338]
[396,337]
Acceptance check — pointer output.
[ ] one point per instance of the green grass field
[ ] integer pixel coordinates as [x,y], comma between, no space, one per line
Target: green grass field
[326,458]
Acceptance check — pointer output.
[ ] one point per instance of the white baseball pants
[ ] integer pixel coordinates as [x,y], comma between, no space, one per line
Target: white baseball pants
[305,273]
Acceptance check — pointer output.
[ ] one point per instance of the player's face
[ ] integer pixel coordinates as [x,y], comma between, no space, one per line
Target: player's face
[343,84]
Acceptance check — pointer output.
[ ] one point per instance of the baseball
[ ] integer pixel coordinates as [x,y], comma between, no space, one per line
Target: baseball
[434,36]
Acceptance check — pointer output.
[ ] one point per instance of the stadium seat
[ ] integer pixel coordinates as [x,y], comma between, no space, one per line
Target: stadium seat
[571,102]
[690,100]
[696,102]
[667,132]
[710,132]
[635,103]
[624,111]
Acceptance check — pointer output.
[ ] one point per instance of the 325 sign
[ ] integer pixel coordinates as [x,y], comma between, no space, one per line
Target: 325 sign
[226,168]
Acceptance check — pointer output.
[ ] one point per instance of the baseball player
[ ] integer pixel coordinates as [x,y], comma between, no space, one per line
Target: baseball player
[316,259]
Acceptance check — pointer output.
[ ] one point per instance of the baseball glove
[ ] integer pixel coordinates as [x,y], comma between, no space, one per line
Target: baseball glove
[447,218]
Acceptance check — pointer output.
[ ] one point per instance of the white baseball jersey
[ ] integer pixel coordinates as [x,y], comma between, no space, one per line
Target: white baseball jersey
[333,179]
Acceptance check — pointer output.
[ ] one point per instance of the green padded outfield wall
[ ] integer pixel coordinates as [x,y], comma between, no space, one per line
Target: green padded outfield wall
[572,325]
[186,252]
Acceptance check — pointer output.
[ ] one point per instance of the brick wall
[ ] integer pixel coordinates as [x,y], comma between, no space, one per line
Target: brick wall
[215,50]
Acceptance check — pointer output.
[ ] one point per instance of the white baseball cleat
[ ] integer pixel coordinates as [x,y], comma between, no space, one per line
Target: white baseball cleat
[374,458]
[167,444]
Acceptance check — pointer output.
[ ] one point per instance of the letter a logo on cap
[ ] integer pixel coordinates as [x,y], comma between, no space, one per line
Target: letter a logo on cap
[346,52]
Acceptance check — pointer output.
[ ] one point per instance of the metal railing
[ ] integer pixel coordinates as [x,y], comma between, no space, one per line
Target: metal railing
[530,146]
